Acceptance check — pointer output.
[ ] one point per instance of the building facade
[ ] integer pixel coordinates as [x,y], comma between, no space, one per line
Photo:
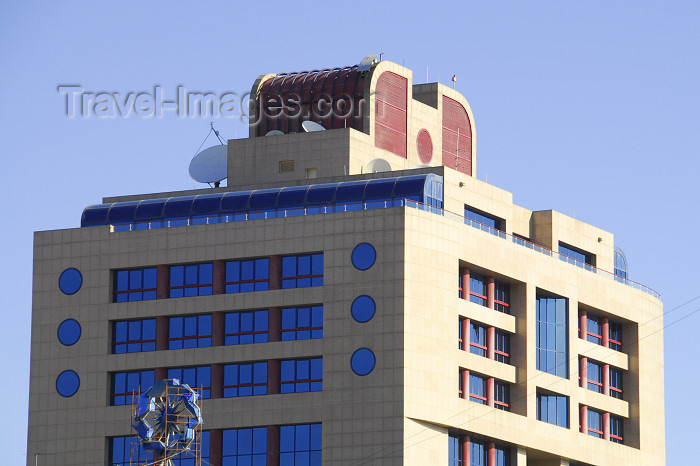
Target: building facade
[353,296]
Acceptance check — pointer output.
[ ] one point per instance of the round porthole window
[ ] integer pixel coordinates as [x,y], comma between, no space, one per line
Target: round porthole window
[363,256]
[67,383]
[362,361]
[363,308]
[70,281]
[69,332]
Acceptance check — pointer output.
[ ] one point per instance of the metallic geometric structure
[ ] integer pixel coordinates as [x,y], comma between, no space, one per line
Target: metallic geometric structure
[167,424]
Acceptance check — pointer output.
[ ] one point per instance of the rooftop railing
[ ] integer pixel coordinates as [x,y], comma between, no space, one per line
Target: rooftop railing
[371,205]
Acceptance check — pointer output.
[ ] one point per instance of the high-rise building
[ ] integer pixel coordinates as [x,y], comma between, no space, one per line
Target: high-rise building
[354,295]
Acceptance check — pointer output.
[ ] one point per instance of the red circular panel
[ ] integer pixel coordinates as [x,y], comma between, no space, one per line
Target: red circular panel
[425,146]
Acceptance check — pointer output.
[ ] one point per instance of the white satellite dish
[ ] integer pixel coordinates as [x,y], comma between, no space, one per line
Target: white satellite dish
[378,165]
[274,132]
[368,61]
[310,126]
[210,165]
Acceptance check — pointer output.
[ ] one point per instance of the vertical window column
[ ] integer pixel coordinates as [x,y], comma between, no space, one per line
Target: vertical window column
[491,461]
[163,282]
[273,379]
[606,379]
[490,292]
[218,325]
[490,382]
[162,328]
[219,277]
[217,380]
[583,372]
[464,383]
[464,281]
[464,327]
[606,426]
[605,331]
[582,324]
[583,419]
[274,323]
[275,272]
[215,446]
[466,450]
[491,343]
[160,373]
[273,445]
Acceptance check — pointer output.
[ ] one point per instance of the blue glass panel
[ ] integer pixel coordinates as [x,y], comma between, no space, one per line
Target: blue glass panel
[122,212]
[70,281]
[363,256]
[95,215]
[292,197]
[381,188]
[363,361]
[350,191]
[67,383]
[206,204]
[178,207]
[321,194]
[235,202]
[264,199]
[408,186]
[149,209]
[69,332]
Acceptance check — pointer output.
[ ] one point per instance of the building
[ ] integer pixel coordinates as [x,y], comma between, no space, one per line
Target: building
[354,294]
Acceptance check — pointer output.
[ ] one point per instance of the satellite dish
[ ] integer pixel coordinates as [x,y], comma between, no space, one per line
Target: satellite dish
[378,165]
[274,132]
[310,126]
[210,165]
[368,61]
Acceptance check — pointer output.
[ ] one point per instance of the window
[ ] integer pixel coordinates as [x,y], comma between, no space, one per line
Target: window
[135,285]
[244,446]
[455,457]
[615,336]
[302,323]
[502,456]
[300,445]
[595,423]
[595,377]
[189,332]
[125,451]
[247,275]
[302,271]
[133,336]
[477,389]
[191,280]
[195,377]
[477,289]
[245,379]
[301,375]
[594,331]
[482,220]
[553,409]
[286,166]
[616,383]
[502,299]
[477,339]
[128,386]
[616,434]
[462,342]
[188,458]
[502,350]
[501,392]
[552,343]
[242,328]
[576,256]
[477,454]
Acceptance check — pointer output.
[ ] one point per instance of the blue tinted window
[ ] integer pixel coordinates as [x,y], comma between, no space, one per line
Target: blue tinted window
[502,349]
[363,256]
[477,289]
[245,379]
[135,285]
[477,389]
[300,445]
[133,336]
[125,451]
[191,456]
[615,336]
[454,457]
[363,308]
[246,327]
[244,447]
[616,383]
[616,433]
[128,386]
[595,423]
[477,454]
[552,342]
[69,332]
[502,456]
[502,299]
[363,361]
[67,383]
[70,281]
[301,375]
[302,323]
[195,377]
[477,339]
[483,221]
[574,256]
[191,280]
[595,377]
[501,395]
[302,271]
[553,409]
[594,331]
[247,275]
[189,332]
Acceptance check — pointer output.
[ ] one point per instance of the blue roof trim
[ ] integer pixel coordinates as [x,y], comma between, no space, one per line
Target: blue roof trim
[261,200]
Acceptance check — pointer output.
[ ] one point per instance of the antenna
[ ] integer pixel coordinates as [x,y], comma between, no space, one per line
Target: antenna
[454,80]
[311,126]
[210,165]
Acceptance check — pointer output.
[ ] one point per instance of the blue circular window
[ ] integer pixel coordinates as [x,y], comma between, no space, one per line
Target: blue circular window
[363,256]
[67,383]
[363,361]
[69,332]
[363,308]
[70,281]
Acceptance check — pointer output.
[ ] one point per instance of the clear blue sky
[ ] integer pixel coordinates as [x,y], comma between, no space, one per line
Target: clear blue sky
[588,108]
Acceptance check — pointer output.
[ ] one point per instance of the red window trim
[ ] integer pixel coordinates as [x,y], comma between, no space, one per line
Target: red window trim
[495,301]
[297,329]
[615,389]
[479,397]
[243,282]
[189,337]
[283,382]
[501,403]
[478,346]
[237,334]
[472,293]
[616,437]
[129,342]
[134,290]
[243,385]
[501,353]
[297,277]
